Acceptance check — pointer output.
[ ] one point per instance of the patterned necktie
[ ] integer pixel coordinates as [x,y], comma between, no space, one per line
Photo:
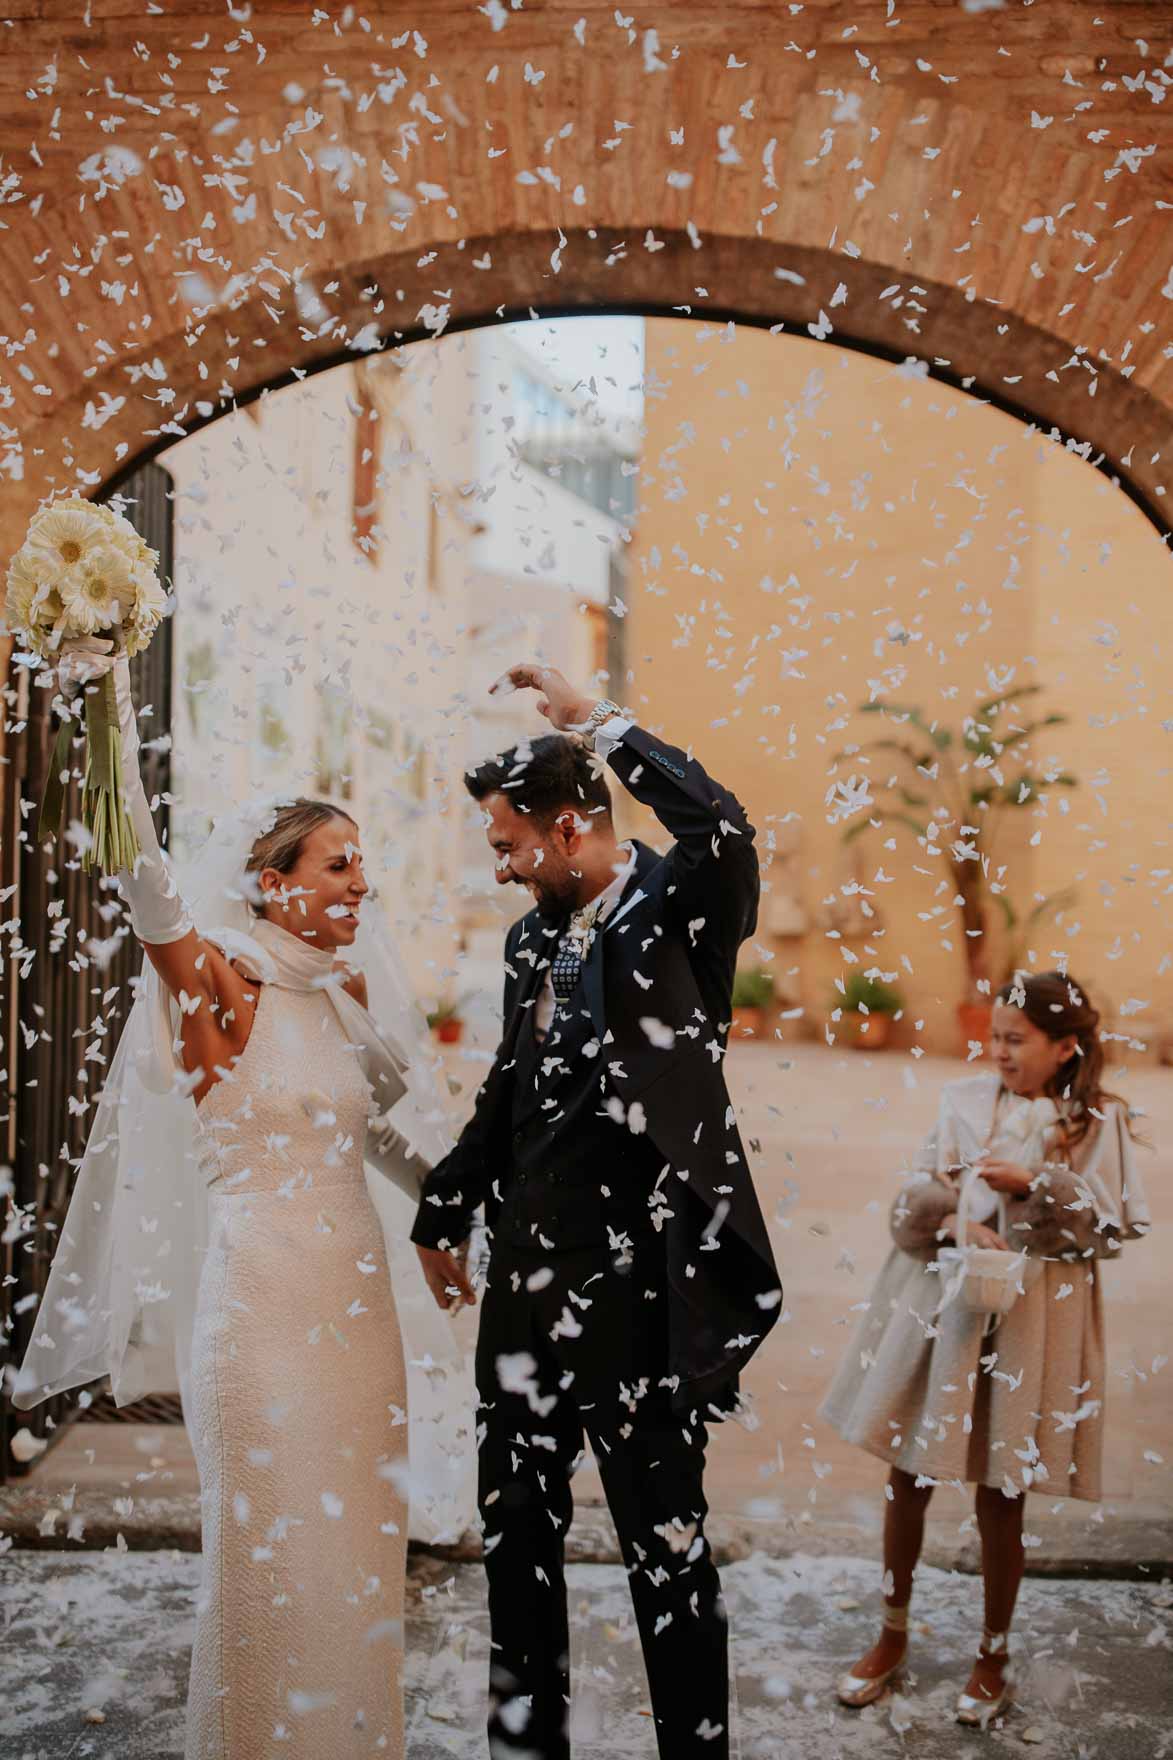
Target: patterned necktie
[566,967]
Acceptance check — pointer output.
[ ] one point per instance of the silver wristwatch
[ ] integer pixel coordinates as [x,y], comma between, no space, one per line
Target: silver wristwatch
[602,711]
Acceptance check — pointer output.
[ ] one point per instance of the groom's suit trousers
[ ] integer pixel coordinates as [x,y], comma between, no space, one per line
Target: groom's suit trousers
[573,1342]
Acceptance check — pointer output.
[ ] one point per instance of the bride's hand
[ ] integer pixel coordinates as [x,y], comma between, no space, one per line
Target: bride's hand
[445,1276]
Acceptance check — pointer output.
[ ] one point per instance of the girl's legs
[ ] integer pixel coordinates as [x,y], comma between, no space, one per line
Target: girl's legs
[904,1532]
[999,1520]
[904,1528]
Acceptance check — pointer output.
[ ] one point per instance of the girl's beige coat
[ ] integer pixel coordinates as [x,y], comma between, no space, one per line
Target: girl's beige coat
[1021,1406]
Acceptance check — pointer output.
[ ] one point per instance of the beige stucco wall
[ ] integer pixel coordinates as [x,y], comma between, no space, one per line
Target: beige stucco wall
[482,561]
[269,582]
[818,528]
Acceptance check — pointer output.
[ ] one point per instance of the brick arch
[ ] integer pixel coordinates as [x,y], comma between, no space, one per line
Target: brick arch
[388,301]
[165,171]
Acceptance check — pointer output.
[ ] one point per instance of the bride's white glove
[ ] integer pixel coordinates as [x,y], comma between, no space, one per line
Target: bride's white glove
[158,913]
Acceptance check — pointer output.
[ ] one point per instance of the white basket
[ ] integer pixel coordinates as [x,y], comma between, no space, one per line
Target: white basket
[983,1280]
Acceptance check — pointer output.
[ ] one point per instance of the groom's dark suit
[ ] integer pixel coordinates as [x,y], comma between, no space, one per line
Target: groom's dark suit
[631,1274]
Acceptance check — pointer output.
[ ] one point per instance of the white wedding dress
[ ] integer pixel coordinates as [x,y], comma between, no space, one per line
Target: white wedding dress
[237,1251]
[298,1395]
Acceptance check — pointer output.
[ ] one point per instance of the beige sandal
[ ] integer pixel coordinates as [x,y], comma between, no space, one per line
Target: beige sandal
[978,1711]
[858,1690]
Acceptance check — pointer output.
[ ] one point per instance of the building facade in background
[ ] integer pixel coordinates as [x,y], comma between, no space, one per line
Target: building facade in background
[781,536]
[358,557]
[819,530]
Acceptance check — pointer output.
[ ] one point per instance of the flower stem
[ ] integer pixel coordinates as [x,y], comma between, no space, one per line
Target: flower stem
[113,843]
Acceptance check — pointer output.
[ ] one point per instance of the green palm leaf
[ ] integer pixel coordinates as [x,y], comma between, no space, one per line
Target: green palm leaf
[918,759]
[941,737]
[994,705]
[1032,727]
[855,831]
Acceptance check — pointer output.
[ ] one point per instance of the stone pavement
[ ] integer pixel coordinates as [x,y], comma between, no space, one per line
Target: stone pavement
[796,1515]
[95,1650]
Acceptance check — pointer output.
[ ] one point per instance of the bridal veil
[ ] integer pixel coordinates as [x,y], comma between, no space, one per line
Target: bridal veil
[121,1295]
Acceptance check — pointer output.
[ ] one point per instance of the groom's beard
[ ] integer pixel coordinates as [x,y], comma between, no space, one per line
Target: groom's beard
[552,903]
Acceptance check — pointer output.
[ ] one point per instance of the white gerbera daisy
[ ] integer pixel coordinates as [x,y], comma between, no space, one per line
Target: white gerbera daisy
[22,589]
[62,535]
[150,599]
[149,606]
[33,603]
[121,533]
[96,594]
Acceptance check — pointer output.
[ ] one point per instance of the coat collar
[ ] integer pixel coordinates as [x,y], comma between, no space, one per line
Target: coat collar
[534,950]
[532,936]
[972,1100]
[645,860]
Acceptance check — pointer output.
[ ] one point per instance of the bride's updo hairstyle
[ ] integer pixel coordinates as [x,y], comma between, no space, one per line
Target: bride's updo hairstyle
[282,845]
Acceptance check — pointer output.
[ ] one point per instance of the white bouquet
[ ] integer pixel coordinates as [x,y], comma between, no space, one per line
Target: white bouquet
[83,570]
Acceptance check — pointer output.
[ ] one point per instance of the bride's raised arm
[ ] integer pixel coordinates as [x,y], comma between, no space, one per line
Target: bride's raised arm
[193,969]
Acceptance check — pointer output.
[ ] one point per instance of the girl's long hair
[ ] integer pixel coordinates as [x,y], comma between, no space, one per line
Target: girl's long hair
[1058,1006]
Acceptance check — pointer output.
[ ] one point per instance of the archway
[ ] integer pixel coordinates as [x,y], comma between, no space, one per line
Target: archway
[995,355]
[1020,167]
[212,255]
[751,615]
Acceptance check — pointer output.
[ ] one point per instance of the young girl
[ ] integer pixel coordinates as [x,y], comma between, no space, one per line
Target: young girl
[946,1394]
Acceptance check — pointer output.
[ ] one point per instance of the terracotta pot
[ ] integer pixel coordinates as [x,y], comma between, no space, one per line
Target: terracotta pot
[448,1032]
[974,1019]
[748,1023]
[867,1032]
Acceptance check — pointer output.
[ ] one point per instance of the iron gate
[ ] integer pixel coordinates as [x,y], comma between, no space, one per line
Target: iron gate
[54,993]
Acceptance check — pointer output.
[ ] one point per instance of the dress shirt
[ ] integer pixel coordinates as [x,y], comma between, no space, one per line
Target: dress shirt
[607,737]
[606,901]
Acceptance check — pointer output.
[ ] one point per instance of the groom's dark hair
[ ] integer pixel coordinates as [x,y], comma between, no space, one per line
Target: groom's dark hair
[542,777]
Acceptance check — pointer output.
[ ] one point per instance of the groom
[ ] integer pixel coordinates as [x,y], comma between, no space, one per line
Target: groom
[630,1276]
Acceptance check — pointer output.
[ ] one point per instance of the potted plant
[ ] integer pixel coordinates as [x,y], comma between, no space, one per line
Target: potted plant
[953,787]
[867,1008]
[447,1022]
[753,992]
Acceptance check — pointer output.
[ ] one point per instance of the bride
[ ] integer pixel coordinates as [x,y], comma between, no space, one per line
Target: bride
[222,1221]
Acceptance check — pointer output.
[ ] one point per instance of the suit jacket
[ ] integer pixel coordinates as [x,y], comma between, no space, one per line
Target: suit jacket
[668,953]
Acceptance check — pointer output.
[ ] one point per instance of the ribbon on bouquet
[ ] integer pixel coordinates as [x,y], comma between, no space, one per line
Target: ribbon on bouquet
[113,842]
[53,799]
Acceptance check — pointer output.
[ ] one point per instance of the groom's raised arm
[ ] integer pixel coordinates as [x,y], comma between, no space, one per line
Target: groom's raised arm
[459,1184]
[715,862]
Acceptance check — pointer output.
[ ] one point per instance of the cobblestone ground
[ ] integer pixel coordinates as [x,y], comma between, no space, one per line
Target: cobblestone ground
[93,1662]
